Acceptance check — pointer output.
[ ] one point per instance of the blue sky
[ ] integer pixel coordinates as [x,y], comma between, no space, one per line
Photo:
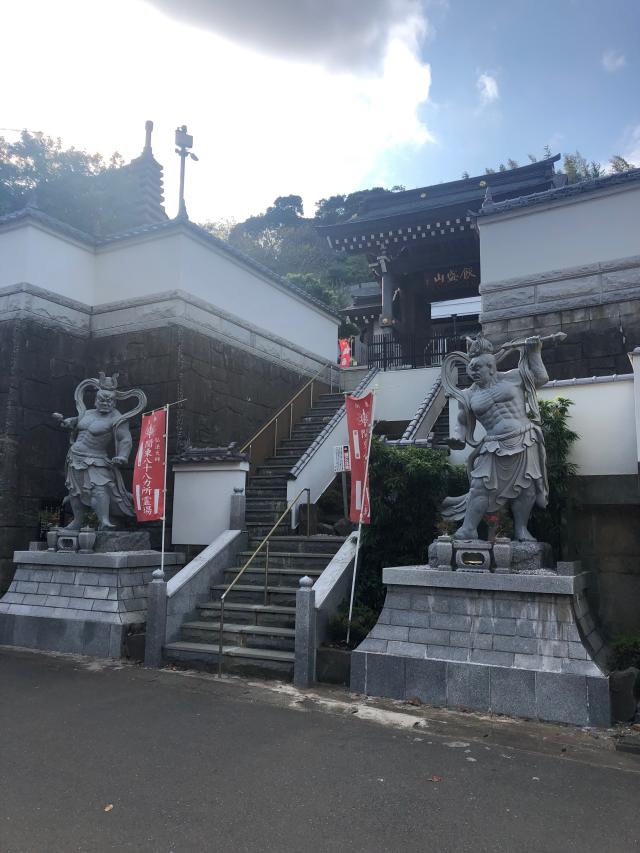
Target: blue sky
[317,97]
[567,75]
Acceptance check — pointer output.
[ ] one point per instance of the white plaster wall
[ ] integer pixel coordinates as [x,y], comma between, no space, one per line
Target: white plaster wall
[400,392]
[318,474]
[202,501]
[181,262]
[600,227]
[30,254]
[603,415]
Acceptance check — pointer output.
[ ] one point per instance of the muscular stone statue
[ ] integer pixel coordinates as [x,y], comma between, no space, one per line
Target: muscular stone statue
[93,478]
[508,465]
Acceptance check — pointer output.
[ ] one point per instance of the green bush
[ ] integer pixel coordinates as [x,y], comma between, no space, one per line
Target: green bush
[625,651]
[407,485]
[550,524]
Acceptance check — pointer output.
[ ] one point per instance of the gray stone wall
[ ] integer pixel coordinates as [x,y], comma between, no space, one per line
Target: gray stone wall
[513,652]
[230,394]
[607,541]
[598,307]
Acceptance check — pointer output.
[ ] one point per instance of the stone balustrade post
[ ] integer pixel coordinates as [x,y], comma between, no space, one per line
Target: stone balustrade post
[156,620]
[237,513]
[304,673]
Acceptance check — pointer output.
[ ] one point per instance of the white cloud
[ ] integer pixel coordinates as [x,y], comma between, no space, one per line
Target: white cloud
[631,145]
[487,86]
[263,126]
[613,60]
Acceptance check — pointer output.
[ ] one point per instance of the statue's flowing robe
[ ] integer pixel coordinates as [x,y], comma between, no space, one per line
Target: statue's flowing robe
[85,471]
[506,464]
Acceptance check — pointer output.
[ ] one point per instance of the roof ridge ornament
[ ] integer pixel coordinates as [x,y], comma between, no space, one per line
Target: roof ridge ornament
[488,198]
[148,130]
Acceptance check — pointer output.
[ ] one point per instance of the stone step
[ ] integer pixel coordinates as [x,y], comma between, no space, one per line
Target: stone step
[257,530]
[267,481]
[275,469]
[278,576]
[248,636]
[278,615]
[307,544]
[265,516]
[268,663]
[269,493]
[315,561]
[246,592]
[289,459]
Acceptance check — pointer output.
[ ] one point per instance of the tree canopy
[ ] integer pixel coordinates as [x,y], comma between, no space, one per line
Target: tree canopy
[79,188]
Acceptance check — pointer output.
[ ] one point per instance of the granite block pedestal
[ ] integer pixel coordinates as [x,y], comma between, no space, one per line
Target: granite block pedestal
[516,644]
[80,603]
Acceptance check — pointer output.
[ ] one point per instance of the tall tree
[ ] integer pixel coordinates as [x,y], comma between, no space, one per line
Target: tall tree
[72,185]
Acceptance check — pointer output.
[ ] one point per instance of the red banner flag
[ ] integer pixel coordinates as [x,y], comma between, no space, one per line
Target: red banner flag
[359,427]
[345,352]
[148,471]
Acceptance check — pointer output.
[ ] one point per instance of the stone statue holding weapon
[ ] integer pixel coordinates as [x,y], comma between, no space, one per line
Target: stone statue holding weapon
[507,466]
[93,477]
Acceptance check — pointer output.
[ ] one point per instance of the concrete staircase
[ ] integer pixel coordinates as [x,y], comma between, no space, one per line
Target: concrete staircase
[259,635]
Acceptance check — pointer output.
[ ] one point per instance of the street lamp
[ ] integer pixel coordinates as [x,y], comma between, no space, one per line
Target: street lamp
[184,141]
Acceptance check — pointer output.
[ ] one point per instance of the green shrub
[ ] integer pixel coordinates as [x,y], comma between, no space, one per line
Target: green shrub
[550,524]
[625,651]
[407,485]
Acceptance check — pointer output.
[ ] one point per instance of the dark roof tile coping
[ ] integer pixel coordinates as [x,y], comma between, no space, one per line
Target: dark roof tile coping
[560,193]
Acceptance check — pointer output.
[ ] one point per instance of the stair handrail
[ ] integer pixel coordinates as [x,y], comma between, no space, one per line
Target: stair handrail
[289,405]
[264,542]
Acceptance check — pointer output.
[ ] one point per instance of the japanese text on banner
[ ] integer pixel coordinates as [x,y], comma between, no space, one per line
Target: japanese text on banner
[359,427]
[148,471]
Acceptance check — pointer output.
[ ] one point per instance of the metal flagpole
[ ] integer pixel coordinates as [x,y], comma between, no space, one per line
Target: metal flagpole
[166,456]
[364,493]
[164,491]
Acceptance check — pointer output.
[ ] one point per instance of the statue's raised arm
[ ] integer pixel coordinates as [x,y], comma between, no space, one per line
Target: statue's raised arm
[508,464]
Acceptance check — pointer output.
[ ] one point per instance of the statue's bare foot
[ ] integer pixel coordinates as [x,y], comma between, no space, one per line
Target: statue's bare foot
[74,525]
[106,525]
[465,533]
[523,535]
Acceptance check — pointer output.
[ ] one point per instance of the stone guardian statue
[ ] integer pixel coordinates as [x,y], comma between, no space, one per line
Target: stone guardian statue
[507,465]
[93,477]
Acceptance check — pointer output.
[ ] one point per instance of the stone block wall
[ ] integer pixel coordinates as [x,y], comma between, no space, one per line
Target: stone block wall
[230,393]
[597,306]
[501,628]
[527,654]
[607,541]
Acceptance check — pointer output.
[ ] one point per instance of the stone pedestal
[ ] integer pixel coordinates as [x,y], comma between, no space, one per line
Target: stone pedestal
[522,556]
[517,644]
[87,604]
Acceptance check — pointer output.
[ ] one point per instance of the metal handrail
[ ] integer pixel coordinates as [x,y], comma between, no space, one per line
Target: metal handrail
[266,567]
[289,405]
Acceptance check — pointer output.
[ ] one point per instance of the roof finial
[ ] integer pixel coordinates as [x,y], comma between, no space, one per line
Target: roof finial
[488,198]
[148,128]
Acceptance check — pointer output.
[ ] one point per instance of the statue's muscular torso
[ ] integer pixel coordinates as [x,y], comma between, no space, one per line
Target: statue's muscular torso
[500,406]
[95,432]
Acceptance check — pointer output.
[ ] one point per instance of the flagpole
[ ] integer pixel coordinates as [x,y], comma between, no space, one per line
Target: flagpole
[164,488]
[364,494]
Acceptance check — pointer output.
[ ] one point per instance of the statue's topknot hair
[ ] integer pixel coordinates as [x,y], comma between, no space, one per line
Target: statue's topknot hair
[479,345]
[107,383]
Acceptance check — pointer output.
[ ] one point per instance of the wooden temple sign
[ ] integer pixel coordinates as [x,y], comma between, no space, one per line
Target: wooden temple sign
[468,274]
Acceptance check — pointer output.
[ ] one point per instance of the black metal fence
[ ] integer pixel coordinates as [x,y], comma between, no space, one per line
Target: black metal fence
[385,352]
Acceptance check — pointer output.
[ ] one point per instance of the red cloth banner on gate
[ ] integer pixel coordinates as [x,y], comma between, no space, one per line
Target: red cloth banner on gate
[148,471]
[345,352]
[359,427]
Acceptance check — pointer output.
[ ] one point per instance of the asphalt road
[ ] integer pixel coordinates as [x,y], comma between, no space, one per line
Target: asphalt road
[193,764]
